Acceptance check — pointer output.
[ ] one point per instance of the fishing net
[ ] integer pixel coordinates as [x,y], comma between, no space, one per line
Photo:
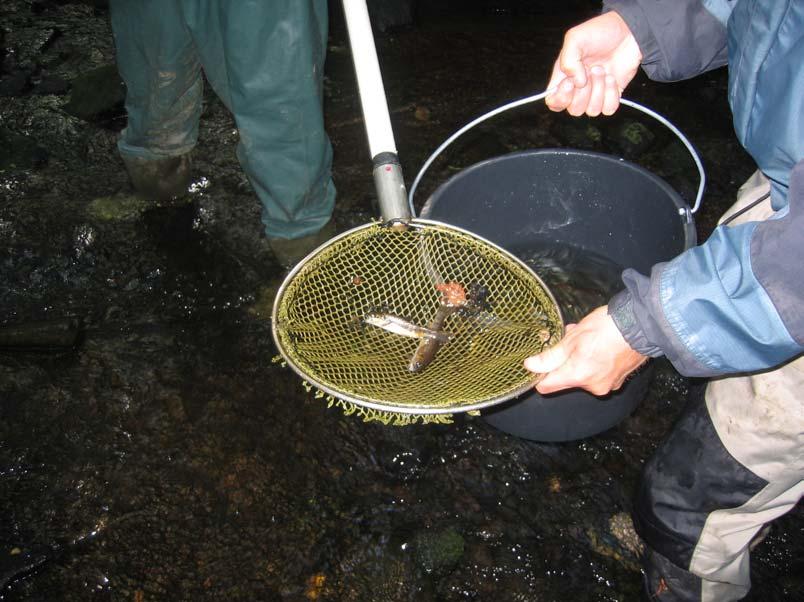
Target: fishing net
[322,332]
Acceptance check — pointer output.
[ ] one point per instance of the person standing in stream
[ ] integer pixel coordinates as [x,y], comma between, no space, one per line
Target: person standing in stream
[730,309]
[265,60]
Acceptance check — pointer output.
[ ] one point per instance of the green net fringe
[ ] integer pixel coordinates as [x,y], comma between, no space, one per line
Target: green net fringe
[370,414]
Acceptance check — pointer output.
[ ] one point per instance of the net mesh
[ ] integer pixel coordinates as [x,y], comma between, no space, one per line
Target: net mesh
[321,330]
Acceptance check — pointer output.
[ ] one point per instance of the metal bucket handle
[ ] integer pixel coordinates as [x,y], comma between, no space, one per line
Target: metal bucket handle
[684,211]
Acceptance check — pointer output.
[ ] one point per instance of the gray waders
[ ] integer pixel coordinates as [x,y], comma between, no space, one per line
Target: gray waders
[731,465]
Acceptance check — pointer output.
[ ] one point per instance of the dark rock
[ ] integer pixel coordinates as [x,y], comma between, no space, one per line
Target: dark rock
[15,83]
[52,85]
[20,152]
[39,157]
[633,138]
[42,335]
[440,551]
[40,6]
[578,133]
[389,15]
[20,563]
[96,93]
[98,5]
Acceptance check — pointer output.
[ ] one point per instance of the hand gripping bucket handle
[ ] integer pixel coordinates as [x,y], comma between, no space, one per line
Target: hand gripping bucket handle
[685,212]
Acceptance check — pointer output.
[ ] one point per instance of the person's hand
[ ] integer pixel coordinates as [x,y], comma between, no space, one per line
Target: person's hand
[593,355]
[597,61]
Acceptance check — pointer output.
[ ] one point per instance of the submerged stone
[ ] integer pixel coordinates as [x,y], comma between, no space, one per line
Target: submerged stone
[52,84]
[96,92]
[15,83]
[264,300]
[18,151]
[634,138]
[439,551]
[578,134]
[117,208]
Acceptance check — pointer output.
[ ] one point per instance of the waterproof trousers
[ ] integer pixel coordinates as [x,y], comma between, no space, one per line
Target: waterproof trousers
[265,60]
[732,464]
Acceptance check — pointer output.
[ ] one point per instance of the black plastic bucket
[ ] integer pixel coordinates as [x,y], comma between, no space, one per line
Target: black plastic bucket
[589,201]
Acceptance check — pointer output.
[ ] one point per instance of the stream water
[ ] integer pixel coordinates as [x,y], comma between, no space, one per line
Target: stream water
[165,457]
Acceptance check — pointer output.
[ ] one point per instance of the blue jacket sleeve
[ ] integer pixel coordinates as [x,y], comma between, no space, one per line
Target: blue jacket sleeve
[678,39]
[732,304]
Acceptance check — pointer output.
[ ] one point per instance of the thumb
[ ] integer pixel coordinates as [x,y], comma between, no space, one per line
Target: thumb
[570,61]
[548,360]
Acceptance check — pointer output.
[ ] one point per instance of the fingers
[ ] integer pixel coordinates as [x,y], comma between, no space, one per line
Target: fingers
[569,77]
[567,376]
[564,90]
[570,61]
[580,100]
[553,366]
[592,356]
[557,380]
[597,76]
[611,97]
[548,360]
[597,60]
[600,94]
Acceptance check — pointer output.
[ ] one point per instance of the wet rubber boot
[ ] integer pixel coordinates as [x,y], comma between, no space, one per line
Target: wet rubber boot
[665,582]
[159,179]
[290,251]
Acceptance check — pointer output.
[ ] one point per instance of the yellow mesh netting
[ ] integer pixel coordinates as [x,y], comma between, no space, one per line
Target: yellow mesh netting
[320,328]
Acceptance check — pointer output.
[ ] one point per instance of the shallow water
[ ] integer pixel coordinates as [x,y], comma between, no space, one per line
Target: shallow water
[167,458]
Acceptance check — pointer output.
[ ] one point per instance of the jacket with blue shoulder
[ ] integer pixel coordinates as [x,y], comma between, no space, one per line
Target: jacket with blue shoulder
[736,302]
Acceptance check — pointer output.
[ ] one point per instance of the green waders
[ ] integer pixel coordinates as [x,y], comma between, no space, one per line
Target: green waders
[265,60]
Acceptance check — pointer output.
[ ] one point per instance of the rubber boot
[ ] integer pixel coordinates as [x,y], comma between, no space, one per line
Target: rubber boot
[290,251]
[159,179]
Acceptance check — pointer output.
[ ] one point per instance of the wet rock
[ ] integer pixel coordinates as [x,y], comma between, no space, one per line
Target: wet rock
[622,527]
[633,138]
[46,335]
[15,83]
[101,146]
[42,118]
[437,552]
[264,299]
[619,542]
[16,563]
[98,5]
[577,133]
[390,577]
[673,159]
[8,61]
[389,15]
[52,84]
[95,93]
[117,208]
[421,114]
[18,151]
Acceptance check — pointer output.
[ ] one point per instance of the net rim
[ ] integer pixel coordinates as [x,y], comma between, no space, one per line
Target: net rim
[423,224]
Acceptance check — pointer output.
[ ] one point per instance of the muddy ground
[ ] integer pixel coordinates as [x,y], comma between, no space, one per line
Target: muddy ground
[165,457]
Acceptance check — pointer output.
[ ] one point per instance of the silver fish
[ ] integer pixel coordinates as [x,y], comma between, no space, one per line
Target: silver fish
[404,328]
